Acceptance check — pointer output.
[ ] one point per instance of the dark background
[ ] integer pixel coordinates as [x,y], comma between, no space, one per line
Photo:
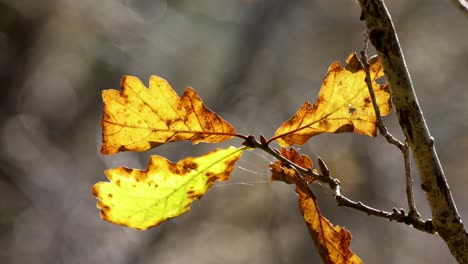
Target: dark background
[252,61]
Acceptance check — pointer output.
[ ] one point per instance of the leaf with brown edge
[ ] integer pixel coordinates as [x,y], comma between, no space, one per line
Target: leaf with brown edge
[139,118]
[282,172]
[143,199]
[343,105]
[331,241]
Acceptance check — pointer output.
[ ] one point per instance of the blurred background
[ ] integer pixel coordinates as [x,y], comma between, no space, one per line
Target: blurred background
[254,62]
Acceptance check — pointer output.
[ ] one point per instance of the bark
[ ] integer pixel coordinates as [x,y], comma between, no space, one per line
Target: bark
[446,220]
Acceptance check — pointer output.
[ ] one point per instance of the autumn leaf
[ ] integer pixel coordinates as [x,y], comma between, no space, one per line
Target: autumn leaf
[139,119]
[331,241]
[143,199]
[343,105]
[282,172]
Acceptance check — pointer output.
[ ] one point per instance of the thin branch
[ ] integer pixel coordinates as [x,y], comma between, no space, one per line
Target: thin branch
[382,128]
[334,184]
[404,148]
[365,43]
[409,182]
[398,215]
[252,142]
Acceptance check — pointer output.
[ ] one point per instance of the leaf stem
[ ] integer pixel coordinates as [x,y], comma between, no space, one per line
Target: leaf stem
[252,142]
[244,137]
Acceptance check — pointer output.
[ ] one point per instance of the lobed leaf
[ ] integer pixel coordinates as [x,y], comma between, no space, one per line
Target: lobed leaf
[143,199]
[138,119]
[343,105]
[282,172]
[331,241]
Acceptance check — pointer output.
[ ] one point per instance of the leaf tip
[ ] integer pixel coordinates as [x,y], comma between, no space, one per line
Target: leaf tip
[95,190]
[353,64]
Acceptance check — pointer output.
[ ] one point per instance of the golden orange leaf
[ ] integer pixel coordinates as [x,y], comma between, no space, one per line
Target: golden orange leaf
[143,199]
[343,105]
[140,118]
[331,241]
[282,172]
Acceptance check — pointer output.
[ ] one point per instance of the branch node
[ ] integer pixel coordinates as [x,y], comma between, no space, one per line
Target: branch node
[249,142]
[323,167]
[263,141]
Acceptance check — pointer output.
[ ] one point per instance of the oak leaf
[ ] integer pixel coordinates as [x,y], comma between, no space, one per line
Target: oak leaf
[139,118]
[343,105]
[282,172]
[143,199]
[331,241]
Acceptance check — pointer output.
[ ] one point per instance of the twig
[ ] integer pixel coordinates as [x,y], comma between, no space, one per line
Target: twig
[409,182]
[334,184]
[326,174]
[252,142]
[398,215]
[382,128]
[404,148]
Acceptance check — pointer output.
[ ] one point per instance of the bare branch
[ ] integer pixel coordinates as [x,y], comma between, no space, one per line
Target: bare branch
[334,184]
[446,220]
[409,182]
[404,148]
[382,128]
[398,215]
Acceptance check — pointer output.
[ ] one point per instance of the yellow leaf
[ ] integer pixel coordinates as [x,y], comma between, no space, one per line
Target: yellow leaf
[139,119]
[143,199]
[331,241]
[343,105]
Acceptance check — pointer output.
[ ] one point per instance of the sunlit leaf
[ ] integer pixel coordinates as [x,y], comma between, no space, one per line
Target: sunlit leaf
[282,172]
[331,241]
[142,199]
[139,118]
[343,105]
